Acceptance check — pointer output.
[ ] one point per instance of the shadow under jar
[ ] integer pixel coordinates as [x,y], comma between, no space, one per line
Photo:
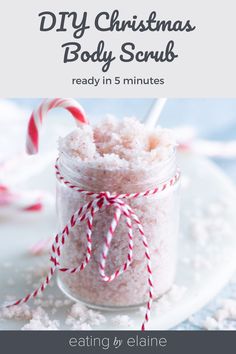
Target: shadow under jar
[159,215]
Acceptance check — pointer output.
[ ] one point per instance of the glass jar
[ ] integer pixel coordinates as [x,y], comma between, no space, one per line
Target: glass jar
[159,215]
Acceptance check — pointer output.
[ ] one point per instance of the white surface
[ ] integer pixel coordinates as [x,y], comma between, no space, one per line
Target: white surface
[203,183]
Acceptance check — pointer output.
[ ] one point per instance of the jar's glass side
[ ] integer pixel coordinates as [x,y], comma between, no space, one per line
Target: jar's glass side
[120,180]
[159,216]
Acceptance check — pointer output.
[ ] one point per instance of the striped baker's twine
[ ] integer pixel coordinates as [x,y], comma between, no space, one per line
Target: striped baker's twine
[86,213]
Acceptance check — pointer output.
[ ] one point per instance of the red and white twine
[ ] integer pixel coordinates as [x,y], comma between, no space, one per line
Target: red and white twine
[86,213]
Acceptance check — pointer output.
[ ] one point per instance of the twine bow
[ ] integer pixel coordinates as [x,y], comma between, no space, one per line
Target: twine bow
[86,213]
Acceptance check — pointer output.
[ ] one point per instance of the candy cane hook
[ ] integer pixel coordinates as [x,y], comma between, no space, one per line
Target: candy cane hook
[36,119]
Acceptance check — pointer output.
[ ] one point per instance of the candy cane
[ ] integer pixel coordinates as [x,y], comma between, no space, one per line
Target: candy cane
[15,201]
[37,117]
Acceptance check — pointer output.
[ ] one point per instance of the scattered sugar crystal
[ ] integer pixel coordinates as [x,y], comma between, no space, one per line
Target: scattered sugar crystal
[221,315]
[84,327]
[211,323]
[96,318]
[122,321]
[79,311]
[207,228]
[229,306]
[20,312]
[77,325]
[40,321]
[224,317]
[79,315]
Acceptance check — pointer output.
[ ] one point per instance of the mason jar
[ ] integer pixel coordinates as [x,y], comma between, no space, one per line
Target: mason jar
[158,214]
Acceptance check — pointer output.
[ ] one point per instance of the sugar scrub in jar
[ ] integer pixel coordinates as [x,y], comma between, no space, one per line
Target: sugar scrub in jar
[119,157]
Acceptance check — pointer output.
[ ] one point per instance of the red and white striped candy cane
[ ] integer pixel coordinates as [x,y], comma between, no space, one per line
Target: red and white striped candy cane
[38,115]
[11,200]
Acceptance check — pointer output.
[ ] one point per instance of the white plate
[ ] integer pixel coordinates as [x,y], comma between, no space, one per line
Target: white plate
[205,264]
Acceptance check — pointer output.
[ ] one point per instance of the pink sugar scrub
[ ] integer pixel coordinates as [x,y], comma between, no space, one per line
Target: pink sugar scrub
[118,144]
[119,156]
